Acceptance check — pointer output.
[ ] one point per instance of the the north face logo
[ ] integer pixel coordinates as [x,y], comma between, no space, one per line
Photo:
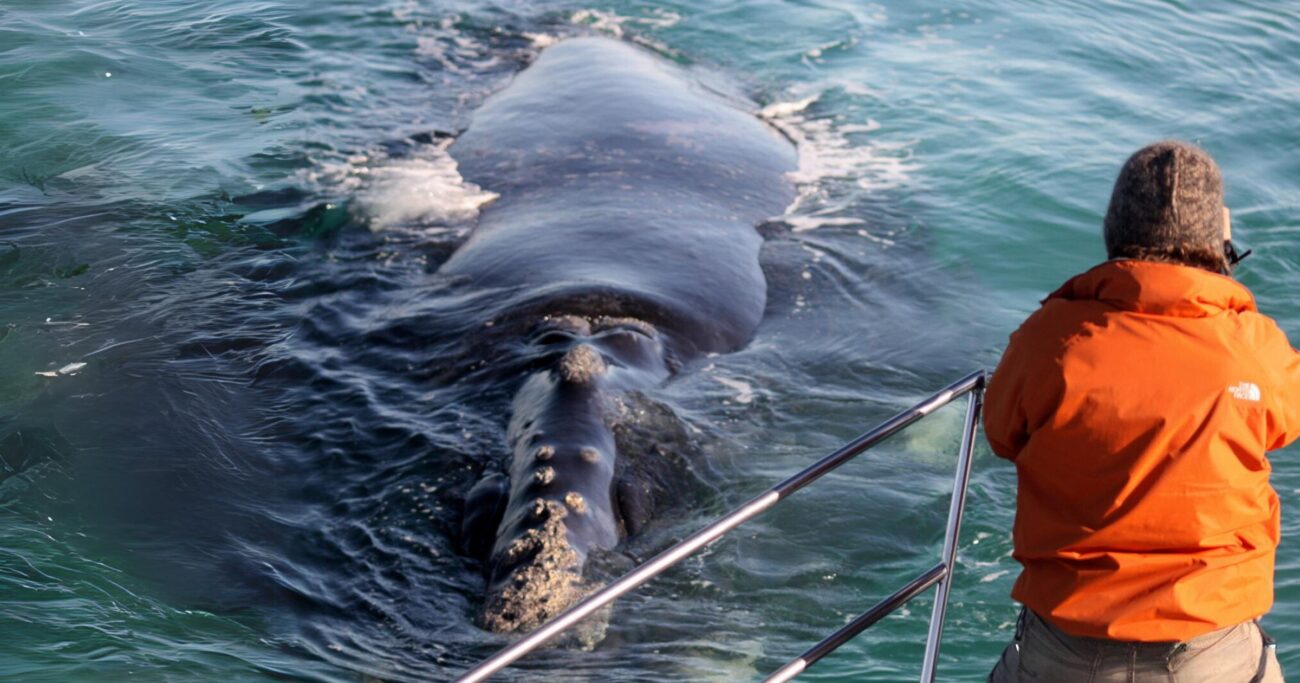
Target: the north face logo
[1246,391]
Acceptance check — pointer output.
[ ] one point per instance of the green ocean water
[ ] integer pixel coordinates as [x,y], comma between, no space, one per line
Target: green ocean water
[230,212]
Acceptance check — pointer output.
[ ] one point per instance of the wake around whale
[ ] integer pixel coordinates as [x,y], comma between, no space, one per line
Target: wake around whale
[622,249]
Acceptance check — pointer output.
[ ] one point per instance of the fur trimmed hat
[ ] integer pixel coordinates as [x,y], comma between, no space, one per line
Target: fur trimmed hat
[1167,205]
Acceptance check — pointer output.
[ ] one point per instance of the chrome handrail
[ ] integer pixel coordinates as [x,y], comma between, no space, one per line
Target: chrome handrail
[974,382]
[955,509]
[940,574]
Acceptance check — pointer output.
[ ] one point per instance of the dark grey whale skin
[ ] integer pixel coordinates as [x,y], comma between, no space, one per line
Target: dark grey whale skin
[624,242]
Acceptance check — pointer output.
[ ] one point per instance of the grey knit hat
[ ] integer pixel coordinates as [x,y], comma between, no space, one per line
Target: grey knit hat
[1167,205]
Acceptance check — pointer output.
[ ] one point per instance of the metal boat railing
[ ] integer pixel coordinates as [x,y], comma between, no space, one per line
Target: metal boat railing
[940,574]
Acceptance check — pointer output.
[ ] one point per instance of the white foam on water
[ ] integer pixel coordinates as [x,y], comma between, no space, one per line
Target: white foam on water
[815,220]
[834,152]
[456,53]
[613,23]
[541,41]
[990,578]
[817,54]
[65,371]
[629,27]
[744,390]
[780,110]
[423,190]
[420,191]
[441,41]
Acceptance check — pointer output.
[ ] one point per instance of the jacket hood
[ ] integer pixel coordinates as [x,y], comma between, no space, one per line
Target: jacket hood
[1157,288]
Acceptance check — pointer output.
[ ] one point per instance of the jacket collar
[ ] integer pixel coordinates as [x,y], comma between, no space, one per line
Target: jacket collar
[1157,288]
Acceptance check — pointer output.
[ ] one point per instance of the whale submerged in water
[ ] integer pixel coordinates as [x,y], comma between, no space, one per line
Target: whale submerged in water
[623,248]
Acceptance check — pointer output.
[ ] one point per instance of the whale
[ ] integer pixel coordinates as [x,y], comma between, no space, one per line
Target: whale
[622,250]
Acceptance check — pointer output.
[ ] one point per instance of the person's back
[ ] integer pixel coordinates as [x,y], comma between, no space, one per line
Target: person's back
[1137,405]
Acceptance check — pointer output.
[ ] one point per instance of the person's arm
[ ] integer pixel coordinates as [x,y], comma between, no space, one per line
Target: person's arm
[1005,424]
[1285,362]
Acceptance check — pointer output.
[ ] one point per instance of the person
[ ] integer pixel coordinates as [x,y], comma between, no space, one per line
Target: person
[1137,404]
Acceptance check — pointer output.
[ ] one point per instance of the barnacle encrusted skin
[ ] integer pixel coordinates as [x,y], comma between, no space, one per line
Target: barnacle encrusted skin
[582,365]
[570,323]
[575,502]
[545,578]
[606,322]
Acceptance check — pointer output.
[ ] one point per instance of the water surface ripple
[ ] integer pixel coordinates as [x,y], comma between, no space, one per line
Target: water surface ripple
[231,212]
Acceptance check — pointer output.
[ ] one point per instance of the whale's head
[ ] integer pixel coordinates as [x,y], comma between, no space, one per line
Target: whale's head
[563,499]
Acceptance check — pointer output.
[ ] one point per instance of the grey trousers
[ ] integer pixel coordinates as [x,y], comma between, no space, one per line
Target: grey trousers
[1041,652]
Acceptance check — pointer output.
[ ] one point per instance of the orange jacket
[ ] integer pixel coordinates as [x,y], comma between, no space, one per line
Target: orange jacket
[1137,404]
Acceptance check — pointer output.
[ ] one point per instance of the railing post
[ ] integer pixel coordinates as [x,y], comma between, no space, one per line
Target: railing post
[955,510]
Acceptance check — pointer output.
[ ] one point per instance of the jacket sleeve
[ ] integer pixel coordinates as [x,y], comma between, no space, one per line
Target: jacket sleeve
[1284,362]
[1005,422]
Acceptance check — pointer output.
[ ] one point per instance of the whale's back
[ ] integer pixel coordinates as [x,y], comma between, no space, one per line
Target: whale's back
[626,188]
